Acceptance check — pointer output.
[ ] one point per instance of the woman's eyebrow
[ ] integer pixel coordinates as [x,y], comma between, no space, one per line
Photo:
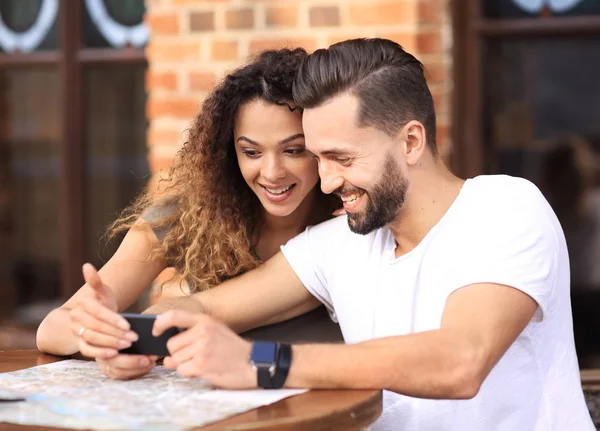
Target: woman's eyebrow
[282,142]
[250,141]
[291,138]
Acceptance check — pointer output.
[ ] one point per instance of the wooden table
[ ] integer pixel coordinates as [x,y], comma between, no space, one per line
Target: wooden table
[314,410]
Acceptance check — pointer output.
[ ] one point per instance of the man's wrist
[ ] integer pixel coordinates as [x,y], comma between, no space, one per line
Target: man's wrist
[271,363]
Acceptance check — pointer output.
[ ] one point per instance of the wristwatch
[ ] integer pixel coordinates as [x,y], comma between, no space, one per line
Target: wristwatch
[271,361]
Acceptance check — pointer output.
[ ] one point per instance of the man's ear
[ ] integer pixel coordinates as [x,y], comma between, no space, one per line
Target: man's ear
[414,140]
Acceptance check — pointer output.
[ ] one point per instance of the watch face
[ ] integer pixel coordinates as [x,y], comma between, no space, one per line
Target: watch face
[263,352]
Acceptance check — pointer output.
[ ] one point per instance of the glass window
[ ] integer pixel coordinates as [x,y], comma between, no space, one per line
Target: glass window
[115,147]
[533,8]
[28,25]
[29,191]
[541,112]
[114,24]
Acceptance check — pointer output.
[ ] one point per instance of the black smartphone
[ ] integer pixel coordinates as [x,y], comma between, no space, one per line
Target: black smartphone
[147,344]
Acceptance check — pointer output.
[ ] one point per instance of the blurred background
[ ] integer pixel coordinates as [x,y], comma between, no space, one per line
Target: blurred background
[96,96]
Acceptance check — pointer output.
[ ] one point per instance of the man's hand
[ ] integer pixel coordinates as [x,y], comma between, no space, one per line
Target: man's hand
[207,349]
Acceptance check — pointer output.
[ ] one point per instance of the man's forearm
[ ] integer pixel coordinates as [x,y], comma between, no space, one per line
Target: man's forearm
[188,303]
[425,365]
[54,334]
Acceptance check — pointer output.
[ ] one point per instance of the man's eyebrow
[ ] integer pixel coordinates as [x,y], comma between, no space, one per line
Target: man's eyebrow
[282,142]
[335,152]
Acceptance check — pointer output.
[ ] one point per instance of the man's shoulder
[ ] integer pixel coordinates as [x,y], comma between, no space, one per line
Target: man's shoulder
[504,186]
[337,225]
[504,193]
[336,232]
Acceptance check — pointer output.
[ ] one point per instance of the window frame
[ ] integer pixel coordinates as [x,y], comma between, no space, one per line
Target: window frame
[70,59]
[470,31]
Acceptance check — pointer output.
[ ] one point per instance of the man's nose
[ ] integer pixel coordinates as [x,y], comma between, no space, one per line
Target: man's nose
[330,180]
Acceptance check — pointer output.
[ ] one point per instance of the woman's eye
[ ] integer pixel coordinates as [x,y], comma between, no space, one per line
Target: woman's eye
[250,153]
[295,151]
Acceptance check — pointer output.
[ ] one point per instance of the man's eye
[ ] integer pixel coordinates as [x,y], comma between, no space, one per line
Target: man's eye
[342,160]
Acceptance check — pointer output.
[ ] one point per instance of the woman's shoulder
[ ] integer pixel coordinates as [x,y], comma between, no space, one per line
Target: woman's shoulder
[161,208]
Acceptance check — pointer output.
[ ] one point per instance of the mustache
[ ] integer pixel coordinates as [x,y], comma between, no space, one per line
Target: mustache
[345,189]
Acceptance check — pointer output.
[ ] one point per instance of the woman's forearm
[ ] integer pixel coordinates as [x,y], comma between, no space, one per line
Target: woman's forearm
[54,334]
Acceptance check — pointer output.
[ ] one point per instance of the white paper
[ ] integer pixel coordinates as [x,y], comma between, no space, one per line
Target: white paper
[75,394]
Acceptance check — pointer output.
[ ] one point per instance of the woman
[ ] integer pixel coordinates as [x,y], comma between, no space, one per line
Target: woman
[241,186]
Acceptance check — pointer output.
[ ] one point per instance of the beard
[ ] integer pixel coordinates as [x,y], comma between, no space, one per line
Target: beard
[385,200]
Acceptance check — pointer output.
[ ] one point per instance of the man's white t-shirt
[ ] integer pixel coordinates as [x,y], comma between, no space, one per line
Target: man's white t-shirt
[500,229]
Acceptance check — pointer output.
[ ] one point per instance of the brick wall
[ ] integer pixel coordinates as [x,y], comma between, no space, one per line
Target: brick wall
[194,42]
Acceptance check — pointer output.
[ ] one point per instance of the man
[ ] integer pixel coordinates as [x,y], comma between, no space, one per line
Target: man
[453,296]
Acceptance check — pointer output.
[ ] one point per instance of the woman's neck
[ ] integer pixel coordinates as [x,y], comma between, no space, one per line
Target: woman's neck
[275,231]
[295,222]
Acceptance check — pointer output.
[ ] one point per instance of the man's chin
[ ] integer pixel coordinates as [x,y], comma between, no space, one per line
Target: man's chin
[357,226]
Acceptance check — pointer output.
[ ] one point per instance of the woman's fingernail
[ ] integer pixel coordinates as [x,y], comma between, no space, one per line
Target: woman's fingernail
[124,343]
[123,324]
[131,336]
[144,362]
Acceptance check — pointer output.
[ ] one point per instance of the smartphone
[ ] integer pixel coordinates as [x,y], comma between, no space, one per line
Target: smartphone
[147,344]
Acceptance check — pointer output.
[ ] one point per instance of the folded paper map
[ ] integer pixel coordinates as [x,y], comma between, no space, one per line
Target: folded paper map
[75,394]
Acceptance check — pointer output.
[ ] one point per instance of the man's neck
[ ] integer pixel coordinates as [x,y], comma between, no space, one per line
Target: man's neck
[430,195]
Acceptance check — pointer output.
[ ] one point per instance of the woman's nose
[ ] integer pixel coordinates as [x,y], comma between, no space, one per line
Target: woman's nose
[273,169]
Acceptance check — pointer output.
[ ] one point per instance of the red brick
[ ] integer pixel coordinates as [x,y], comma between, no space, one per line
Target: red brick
[408,40]
[435,72]
[335,38]
[174,52]
[239,19]
[202,81]
[181,107]
[163,23]
[258,45]
[202,21]
[384,13]
[195,2]
[439,100]
[156,165]
[164,137]
[442,133]
[429,42]
[160,81]
[225,50]
[430,12]
[281,16]
[324,16]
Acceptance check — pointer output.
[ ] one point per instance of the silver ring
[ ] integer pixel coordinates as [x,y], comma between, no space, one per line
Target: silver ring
[81,331]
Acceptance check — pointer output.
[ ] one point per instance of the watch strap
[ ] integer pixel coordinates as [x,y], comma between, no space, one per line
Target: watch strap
[268,379]
[284,361]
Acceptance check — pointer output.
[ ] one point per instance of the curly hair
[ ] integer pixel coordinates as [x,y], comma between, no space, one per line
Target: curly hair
[208,212]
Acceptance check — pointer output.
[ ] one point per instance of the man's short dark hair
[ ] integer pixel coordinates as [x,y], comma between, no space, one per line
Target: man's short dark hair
[388,82]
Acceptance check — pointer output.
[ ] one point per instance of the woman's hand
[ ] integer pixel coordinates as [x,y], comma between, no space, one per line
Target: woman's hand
[126,367]
[207,349]
[339,212]
[101,331]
